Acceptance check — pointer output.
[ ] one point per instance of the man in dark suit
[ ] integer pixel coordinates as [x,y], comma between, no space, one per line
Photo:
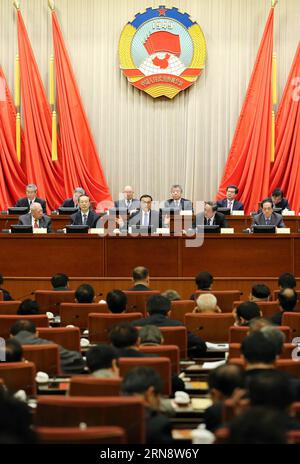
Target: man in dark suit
[36,218]
[267,217]
[145,216]
[287,299]
[177,202]
[73,202]
[128,202]
[140,277]
[210,217]
[125,339]
[85,216]
[230,200]
[26,202]
[278,200]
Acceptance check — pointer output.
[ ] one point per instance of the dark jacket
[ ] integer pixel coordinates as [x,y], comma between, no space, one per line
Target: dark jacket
[69,203]
[275,220]
[196,346]
[6,295]
[219,220]
[131,353]
[76,219]
[24,202]
[277,318]
[139,288]
[158,428]
[237,206]
[71,362]
[185,205]
[283,204]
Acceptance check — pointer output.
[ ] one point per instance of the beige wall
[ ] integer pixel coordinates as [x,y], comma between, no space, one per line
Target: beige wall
[149,143]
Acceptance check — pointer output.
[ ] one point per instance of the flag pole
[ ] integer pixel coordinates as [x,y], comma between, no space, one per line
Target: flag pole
[274,95]
[18,97]
[52,97]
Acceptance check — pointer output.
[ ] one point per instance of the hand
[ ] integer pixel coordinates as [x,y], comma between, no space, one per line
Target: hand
[120,222]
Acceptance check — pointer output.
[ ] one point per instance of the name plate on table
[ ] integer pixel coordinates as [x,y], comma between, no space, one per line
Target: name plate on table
[286,212]
[283,230]
[97,231]
[163,231]
[227,230]
[237,213]
[40,230]
[186,213]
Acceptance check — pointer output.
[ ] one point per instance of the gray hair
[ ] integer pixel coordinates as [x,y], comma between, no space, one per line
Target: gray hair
[206,302]
[150,334]
[171,295]
[274,335]
[35,205]
[79,190]
[31,187]
[175,186]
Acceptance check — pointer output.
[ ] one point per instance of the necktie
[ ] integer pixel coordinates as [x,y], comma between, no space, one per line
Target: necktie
[84,219]
[208,222]
[230,204]
[36,224]
[268,221]
[146,219]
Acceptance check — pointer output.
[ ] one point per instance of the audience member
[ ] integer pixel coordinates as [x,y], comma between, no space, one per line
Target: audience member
[287,299]
[85,294]
[60,282]
[28,307]
[207,303]
[245,312]
[204,281]
[102,361]
[150,335]
[257,323]
[171,295]
[6,295]
[13,351]
[287,280]
[116,301]
[260,292]
[125,338]
[141,279]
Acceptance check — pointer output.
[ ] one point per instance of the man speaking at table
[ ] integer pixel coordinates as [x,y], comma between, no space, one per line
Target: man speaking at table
[36,218]
[267,217]
[85,215]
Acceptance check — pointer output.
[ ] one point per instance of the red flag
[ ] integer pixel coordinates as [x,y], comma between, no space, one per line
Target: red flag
[40,168]
[248,163]
[12,177]
[81,163]
[285,171]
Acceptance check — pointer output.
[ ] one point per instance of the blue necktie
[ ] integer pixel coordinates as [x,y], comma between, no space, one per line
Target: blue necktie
[84,219]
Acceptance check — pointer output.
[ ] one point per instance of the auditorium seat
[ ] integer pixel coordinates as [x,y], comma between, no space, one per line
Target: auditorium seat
[235,350]
[292,320]
[87,385]
[237,334]
[176,336]
[210,327]
[19,376]
[49,300]
[45,357]
[286,365]
[9,307]
[124,412]
[99,325]
[77,313]
[68,337]
[1,295]
[268,308]
[137,301]
[225,298]
[161,365]
[297,307]
[180,308]
[168,351]
[82,436]
[6,322]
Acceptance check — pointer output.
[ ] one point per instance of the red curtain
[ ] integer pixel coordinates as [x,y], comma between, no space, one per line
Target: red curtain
[285,172]
[12,177]
[248,163]
[81,163]
[40,168]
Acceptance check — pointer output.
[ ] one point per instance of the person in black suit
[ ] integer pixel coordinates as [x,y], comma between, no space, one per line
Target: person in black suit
[125,339]
[140,277]
[26,202]
[128,202]
[278,200]
[287,299]
[210,217]
[158,308]
[146,216]
[36,218]
[85,215]
[230,200]
[177,201]
[73,202]
[267,217]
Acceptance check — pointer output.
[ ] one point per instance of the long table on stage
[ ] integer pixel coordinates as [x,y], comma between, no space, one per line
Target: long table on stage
[85,255]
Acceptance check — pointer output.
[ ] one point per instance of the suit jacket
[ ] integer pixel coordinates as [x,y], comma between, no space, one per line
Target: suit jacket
[154,219]
[44,222]
[283,204]
[219,220]
[6,295]
[76,219]
[237,206]
[276,220]
[185,205]
[135,204]
[69,203]
[139,288]
[23,202]
[131,353]
[158,428]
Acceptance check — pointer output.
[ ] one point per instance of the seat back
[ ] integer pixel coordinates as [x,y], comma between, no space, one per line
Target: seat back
[211,327]
[9,307]
[45,357]
[19,376]
[68,337]
[137,301]
[180,308]
[87,436]
[289,366]
[1,295]
[176,336]
[237,334]
[49,300]
[78,313]
[6,322]
[167,351]
[99,325]
[225,298]
[268,308]
[293,321]
[124,412]
[235,350]
[87,385]
[161,365]
[297,307]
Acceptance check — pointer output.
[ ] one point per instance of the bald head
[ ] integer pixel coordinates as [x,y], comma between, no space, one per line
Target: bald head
[287,299]
[128,192]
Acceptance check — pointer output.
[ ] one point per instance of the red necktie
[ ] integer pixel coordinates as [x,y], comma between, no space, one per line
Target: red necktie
[36,224]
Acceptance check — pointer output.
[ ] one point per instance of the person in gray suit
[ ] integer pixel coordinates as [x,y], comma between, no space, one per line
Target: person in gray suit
[36,218]
[177,201]
[128,202]
[145,216]
[267,217]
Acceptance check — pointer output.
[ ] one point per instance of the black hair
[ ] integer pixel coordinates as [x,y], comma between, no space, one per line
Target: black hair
[277,193]
[256,348]
[139,379]
[226,379]
[158,304]
[85,294]
[212,204]
[287,299]
[287,280]
[16,421]
[266,200]
[204,280]
[233,187]
[248,310]
[59,280]
[140,273]
[260,291]
[146,196]
[100,357]
[116,301]
[123,335]
[13,350]
[23,324]
[28,307]
[271,388]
